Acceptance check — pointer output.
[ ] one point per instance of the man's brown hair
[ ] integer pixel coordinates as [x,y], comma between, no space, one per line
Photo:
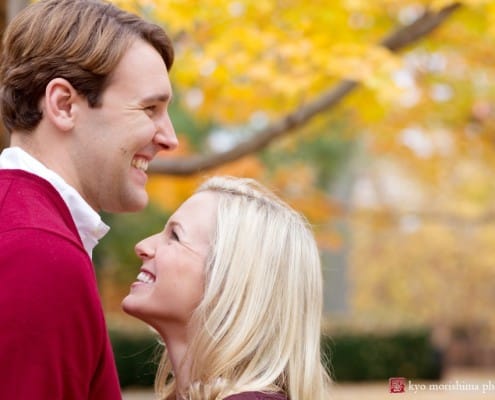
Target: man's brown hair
[79,40]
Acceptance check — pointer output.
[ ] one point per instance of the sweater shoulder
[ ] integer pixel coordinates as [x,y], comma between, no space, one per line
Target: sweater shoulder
[28,201]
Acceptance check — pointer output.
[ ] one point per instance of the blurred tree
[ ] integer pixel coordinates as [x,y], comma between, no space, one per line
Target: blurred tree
[264,67]
[407,159]
[269,66]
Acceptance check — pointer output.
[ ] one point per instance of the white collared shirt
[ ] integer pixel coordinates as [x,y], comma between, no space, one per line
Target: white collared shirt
[88,222]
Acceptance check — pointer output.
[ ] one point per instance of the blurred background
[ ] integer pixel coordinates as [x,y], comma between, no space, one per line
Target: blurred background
[376,119]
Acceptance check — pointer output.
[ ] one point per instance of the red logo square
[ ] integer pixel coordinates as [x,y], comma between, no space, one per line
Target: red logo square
[397,385]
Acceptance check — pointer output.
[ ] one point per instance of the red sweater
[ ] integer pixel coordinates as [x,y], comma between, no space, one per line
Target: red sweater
[53,338]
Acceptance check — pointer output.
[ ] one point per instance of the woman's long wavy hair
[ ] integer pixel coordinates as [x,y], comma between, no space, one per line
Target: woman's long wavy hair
[258,325]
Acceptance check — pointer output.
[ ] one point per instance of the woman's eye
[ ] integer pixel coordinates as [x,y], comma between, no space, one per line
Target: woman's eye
[174,235]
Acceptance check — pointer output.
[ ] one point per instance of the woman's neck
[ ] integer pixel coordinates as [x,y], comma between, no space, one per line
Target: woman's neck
[177,345]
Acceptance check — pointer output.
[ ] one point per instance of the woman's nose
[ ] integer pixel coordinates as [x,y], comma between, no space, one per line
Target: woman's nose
[144,249]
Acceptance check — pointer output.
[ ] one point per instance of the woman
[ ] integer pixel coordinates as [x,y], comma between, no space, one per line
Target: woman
[233,286]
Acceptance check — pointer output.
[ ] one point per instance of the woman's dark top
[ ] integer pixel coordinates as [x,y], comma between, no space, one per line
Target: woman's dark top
[257,396]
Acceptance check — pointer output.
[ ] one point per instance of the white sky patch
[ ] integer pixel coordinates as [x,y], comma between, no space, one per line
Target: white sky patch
[259,120]
[407,15]
[420,143]
[221,140]
[207,68]
[441,92]
[436,62]
[443,141]
[409,223]
[364,193]
[410,97]
[404,79]
[194,98]
[384,183]
[236,8]
[358,20]
[426,144]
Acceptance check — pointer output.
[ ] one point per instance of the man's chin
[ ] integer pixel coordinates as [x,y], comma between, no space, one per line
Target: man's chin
[136,202]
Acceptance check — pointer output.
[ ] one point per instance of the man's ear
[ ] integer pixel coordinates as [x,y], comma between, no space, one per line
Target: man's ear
[59,100]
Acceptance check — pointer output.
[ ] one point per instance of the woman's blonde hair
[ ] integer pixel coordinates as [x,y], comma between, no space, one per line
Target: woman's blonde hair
[258,325]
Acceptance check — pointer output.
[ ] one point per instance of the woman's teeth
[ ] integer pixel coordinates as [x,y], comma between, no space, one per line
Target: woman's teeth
[145,277]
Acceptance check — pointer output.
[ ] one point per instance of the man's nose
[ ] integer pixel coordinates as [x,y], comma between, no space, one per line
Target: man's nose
[165,136]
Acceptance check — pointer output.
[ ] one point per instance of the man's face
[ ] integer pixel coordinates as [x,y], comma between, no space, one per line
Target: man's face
[116,141]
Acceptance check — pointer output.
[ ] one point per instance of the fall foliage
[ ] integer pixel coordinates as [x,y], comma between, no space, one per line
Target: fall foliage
[391,151]
[405,162]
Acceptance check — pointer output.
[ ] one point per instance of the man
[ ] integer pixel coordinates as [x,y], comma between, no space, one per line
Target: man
[85,90]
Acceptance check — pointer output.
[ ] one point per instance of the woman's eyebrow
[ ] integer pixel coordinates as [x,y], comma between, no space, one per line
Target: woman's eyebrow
[176,224]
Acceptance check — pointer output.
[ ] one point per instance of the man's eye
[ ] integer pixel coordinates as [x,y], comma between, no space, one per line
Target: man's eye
[150,110]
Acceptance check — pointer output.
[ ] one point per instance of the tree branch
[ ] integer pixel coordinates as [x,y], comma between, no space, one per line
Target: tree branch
[395,41]
[451,219]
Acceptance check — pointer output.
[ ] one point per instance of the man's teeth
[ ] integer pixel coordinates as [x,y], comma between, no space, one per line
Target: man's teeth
[145,277]
[140,163]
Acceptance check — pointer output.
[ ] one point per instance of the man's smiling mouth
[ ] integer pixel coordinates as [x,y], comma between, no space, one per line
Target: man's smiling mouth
[140,163]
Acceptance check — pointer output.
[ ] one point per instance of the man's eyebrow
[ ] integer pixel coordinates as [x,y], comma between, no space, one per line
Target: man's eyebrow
[162,98]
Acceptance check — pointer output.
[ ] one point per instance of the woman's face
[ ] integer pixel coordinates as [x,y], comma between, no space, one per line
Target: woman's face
[170,283]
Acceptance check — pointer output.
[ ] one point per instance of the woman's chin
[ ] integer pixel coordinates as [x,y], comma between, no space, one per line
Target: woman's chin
[128,305]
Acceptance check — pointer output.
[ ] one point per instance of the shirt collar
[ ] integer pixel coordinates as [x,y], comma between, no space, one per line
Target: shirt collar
[88,222]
